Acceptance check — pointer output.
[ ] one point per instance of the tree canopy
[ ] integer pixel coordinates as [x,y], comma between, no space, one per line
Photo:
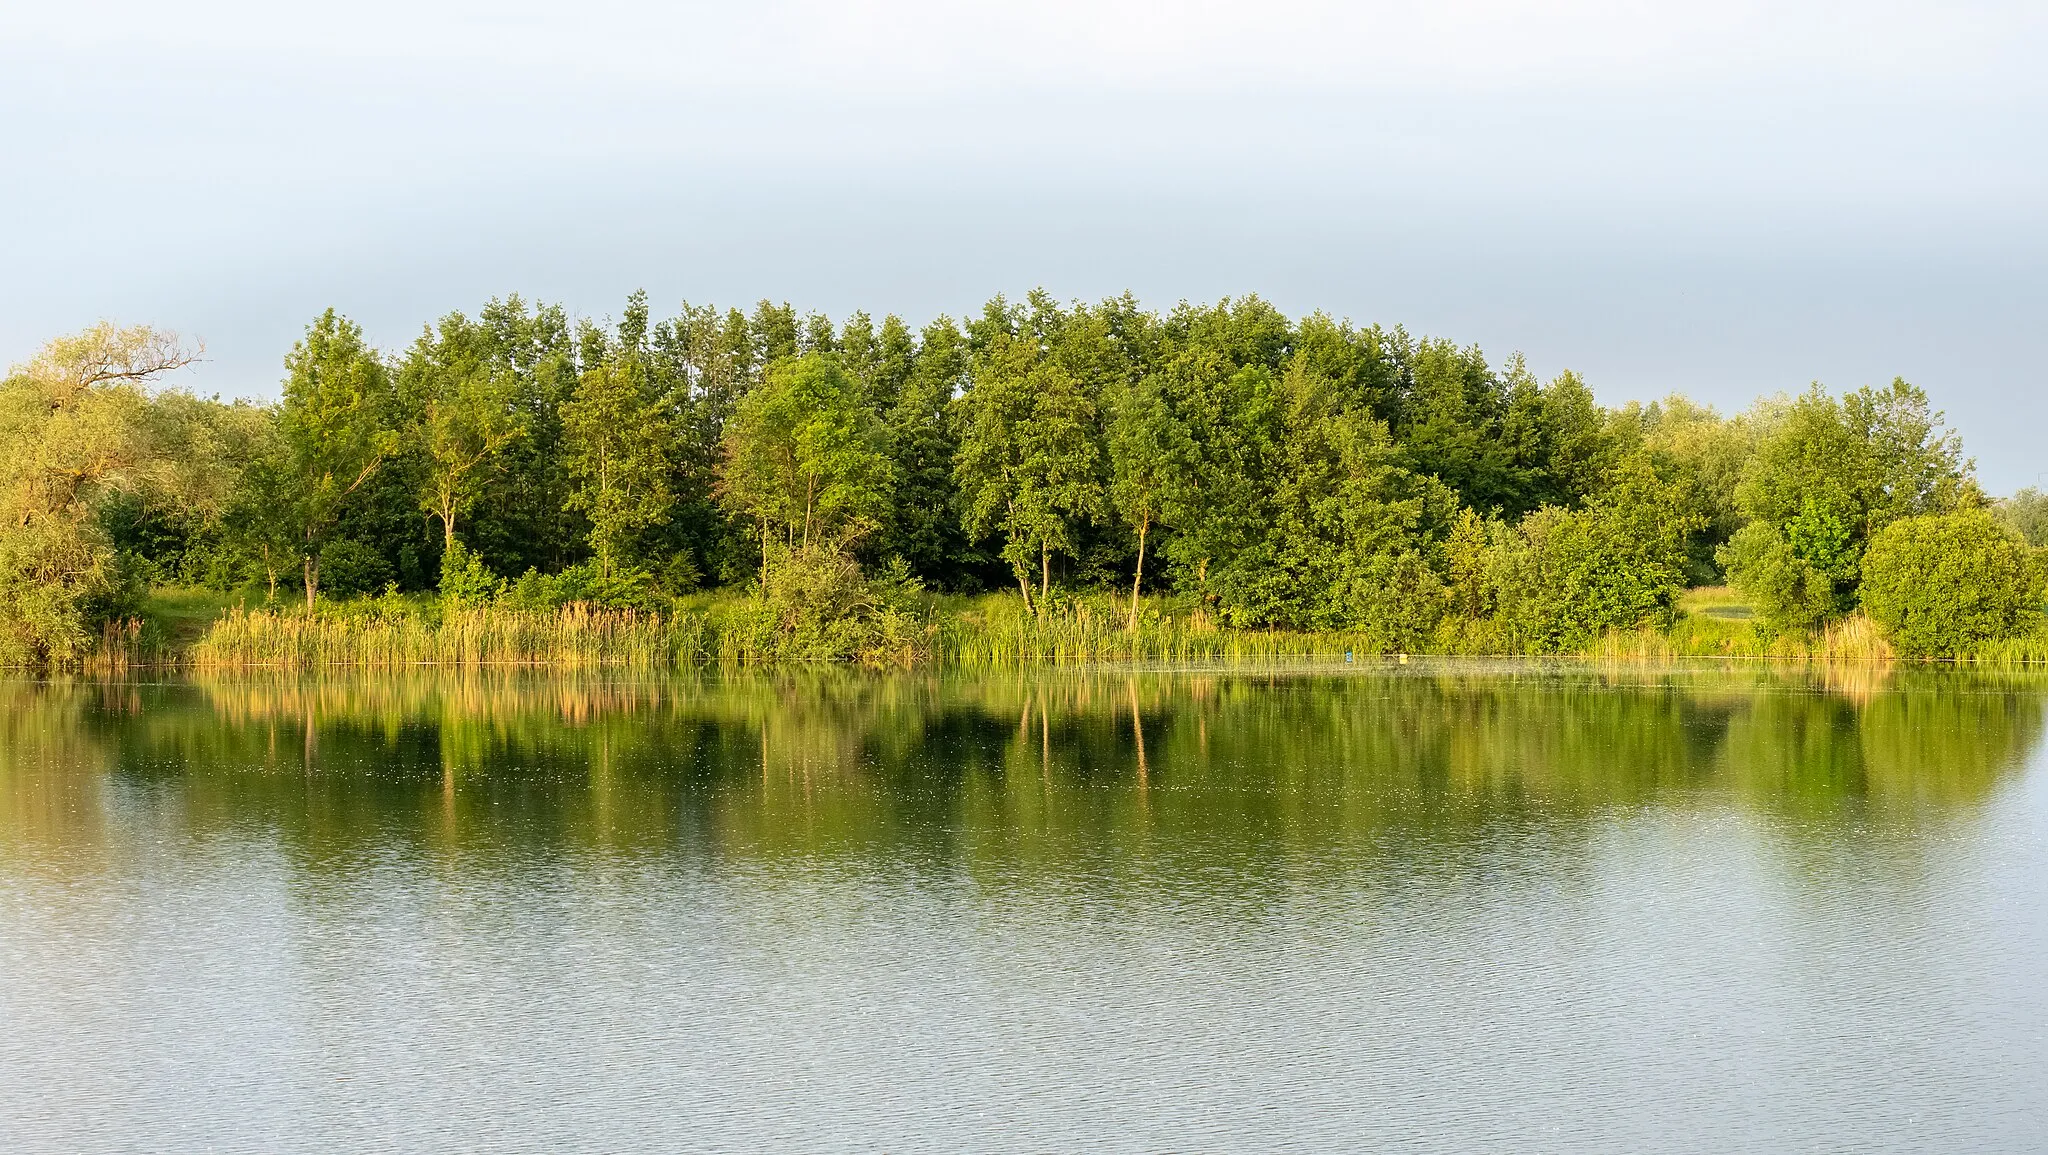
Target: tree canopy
[1258,471]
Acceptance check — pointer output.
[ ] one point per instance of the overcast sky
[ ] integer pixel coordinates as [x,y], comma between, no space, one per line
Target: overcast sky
[1726,198]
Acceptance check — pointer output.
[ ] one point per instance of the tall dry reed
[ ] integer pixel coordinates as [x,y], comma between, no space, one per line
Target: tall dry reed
[572,637]
[996,630]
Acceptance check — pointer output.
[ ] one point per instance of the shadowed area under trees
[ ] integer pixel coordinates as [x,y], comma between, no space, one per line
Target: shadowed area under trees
[800,488]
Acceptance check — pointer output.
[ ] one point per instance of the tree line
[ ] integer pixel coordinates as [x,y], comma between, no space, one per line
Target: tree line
[1302,474]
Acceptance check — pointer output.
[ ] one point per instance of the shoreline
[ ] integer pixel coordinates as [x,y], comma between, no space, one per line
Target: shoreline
[176,633]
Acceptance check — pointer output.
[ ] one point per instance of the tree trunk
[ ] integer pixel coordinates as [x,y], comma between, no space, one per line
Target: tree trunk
[764,559]
[1024,584]
[312,581]
[810,493]
[447,530]
[1044,573]
[1138,574]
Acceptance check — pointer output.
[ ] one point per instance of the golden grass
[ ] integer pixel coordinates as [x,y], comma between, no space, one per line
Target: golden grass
[992,630]
[996,630]
[573,637]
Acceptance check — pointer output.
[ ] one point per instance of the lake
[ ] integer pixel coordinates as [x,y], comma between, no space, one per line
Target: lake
[1428,906]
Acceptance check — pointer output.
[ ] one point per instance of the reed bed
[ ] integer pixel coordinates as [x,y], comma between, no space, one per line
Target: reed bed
[573,637]
[986,631]
[990,631]
[125,644]
[998,631]
[1693,635]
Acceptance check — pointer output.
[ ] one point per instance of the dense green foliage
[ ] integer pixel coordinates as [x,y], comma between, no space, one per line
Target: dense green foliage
[2027,512]
[1942,584]
[1256,472]
[83,450]
[1829,476]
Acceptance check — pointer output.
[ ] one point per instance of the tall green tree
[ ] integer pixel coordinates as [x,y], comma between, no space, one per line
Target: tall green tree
[1347,527]
[923,526]
[707,365]
[2027,512]
[1830,475]
[467,412]
[336,427]
[1029,465]
[1151,460]
[774,334]
[618,440]
[522,519]
[1219,367]
[1703,453]
[1451,419]
[803,455]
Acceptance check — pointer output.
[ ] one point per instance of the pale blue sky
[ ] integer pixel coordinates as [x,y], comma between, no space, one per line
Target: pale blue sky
[1722,198]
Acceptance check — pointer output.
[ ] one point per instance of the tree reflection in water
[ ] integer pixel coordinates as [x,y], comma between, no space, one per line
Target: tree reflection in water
[1009,769]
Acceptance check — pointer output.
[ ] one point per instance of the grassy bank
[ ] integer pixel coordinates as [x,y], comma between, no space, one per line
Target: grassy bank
[202,631]
[991,630]
[573,637]
[996,630]
[1714,623]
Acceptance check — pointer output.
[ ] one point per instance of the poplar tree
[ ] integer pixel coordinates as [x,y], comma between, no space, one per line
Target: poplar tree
[466,412]
[618,438]
[1029,465]
[336,429]
[1150,460]
[923,528]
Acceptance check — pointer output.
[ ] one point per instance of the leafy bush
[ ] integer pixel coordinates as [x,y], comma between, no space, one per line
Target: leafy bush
[348,568]
[625,588]
[465,579]
[1789,593]
[2027,511]
[679,575]
[1941,584]
[1562,577]
[817,605]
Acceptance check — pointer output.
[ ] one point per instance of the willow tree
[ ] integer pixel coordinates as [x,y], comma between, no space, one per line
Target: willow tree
[77,424]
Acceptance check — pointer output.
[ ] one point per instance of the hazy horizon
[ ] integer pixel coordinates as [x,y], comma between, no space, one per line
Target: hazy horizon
[1726,201]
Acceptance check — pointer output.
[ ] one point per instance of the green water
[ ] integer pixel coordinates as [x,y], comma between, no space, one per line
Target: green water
[1432,907]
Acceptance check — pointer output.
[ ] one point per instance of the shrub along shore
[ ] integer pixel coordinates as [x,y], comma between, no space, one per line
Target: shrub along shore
[1045,482]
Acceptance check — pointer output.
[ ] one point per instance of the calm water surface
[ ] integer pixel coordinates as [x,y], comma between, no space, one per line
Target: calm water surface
[1434,907]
